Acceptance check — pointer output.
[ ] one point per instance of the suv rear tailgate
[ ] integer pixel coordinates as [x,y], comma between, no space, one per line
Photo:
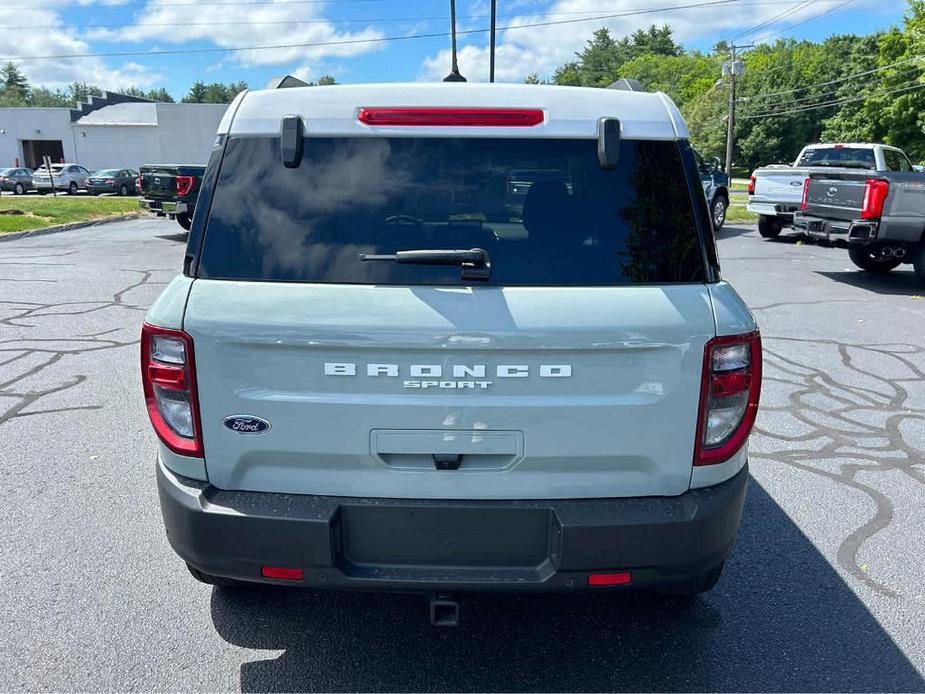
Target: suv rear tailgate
[588,392]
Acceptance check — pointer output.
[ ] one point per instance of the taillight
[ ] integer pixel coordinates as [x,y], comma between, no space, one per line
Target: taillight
[481,117]
[805,193]
[138,184]
[185,184]
[728,397]
[109,181]
[751,185]
[875,192]
[168,377]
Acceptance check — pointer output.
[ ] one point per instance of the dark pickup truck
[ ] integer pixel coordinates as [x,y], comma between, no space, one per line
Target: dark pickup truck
[170,190]
[881,215]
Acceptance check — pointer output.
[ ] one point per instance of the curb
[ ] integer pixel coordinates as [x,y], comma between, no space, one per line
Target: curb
[66,227]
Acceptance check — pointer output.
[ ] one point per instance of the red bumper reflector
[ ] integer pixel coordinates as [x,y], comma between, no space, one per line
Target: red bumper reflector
[618,579]
[448,117]
[284,574]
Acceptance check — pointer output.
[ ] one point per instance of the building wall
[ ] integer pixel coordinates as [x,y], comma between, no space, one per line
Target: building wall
[183,135]
[20,124]
[187,132]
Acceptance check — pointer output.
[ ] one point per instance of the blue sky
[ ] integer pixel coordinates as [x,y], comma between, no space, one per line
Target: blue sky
[81,27]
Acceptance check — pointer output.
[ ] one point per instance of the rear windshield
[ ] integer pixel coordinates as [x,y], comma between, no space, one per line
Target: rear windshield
[107,172]
[545,212]
[841,157]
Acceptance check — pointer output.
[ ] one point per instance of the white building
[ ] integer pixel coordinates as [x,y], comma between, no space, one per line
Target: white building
[111,131]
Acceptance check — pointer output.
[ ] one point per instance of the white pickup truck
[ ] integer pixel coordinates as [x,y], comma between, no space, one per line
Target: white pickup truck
[776,192]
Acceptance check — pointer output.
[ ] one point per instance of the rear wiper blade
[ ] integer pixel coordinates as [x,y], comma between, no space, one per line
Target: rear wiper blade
[475,263]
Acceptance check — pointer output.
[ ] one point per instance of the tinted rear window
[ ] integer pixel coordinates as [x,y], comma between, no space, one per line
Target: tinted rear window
[844,157]
[544,210]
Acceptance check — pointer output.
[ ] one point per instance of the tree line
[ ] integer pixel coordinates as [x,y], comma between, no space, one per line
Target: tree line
[847,88]
[15,90]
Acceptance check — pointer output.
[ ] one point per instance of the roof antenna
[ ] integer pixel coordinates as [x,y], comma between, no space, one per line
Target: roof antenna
[454,75]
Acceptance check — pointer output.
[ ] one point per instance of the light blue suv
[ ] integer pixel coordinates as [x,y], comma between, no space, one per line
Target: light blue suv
[378,372]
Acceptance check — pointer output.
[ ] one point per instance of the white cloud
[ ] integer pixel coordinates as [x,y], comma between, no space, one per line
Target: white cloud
[57,39]
[277,23]
[543,49]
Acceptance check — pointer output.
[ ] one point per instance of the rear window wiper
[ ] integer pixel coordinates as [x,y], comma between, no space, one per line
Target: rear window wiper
[475,262]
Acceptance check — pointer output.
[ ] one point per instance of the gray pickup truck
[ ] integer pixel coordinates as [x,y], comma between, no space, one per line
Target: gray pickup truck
[880,215]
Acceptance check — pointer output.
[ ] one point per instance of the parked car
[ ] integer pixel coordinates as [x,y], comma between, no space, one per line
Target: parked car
[372,374]
[170,190]
[776,192]
[65,177]
[16,180]
[880,216]
[119,181]
[715,184]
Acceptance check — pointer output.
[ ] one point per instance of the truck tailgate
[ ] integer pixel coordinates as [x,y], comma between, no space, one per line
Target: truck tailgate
[835,196]
[779,185]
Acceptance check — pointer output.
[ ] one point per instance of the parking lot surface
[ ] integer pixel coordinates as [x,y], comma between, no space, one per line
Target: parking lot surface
[824,592]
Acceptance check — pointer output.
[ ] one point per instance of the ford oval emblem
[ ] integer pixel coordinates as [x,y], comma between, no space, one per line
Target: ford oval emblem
[246,424]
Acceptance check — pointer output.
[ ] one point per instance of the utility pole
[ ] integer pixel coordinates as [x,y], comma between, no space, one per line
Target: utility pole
[491,51]
[454,75]
[733,69]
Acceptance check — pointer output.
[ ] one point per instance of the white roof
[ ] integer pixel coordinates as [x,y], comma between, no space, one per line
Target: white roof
[571,112]
[129,113]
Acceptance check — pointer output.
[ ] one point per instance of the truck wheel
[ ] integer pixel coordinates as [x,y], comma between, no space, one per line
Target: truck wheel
[768,227]
[918,263]
[209,579]
[867,261]
[695,585]
[185,221]
[720,206]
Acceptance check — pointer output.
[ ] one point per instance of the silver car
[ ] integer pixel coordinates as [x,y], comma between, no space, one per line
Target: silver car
[64,177]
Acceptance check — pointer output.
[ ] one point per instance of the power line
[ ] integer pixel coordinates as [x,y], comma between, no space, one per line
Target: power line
[772,20]
[839,102]
[383,39]
[359,20]
[836,81]
[809,19]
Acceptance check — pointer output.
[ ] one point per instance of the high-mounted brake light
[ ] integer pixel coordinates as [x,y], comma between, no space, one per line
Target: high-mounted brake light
[805,193]
[448,117]
[168,377]
[185,184]
[751,185]
[729,394]
[875,192]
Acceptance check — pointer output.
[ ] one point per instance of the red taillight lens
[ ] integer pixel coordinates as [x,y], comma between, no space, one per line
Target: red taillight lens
[168,377]
[728,397]
[478,117]
[185,184]
[805,193]
[622,578]
[751,185]
[875,192]
[110,181]
[138,184]
[282,573]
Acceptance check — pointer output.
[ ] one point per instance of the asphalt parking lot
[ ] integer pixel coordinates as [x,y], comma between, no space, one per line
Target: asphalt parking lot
[825,590]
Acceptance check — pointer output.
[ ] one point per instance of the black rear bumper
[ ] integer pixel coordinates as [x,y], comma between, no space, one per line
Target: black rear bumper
[402,544]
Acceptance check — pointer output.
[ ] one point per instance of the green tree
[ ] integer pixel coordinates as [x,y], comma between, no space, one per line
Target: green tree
[13,82]
[197,93]
[81,91]
[326,80]
[160,95]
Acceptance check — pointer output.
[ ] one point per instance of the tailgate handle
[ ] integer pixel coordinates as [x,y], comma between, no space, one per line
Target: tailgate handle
[447,461]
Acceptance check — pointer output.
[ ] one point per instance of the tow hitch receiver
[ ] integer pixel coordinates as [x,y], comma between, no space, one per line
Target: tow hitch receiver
[444,610]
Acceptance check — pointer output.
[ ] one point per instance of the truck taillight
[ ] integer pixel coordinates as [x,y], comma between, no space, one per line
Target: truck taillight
[805,193]
[168,377]
[185,184]
[875,192]
[728,398]
[751,185]
[138,185]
